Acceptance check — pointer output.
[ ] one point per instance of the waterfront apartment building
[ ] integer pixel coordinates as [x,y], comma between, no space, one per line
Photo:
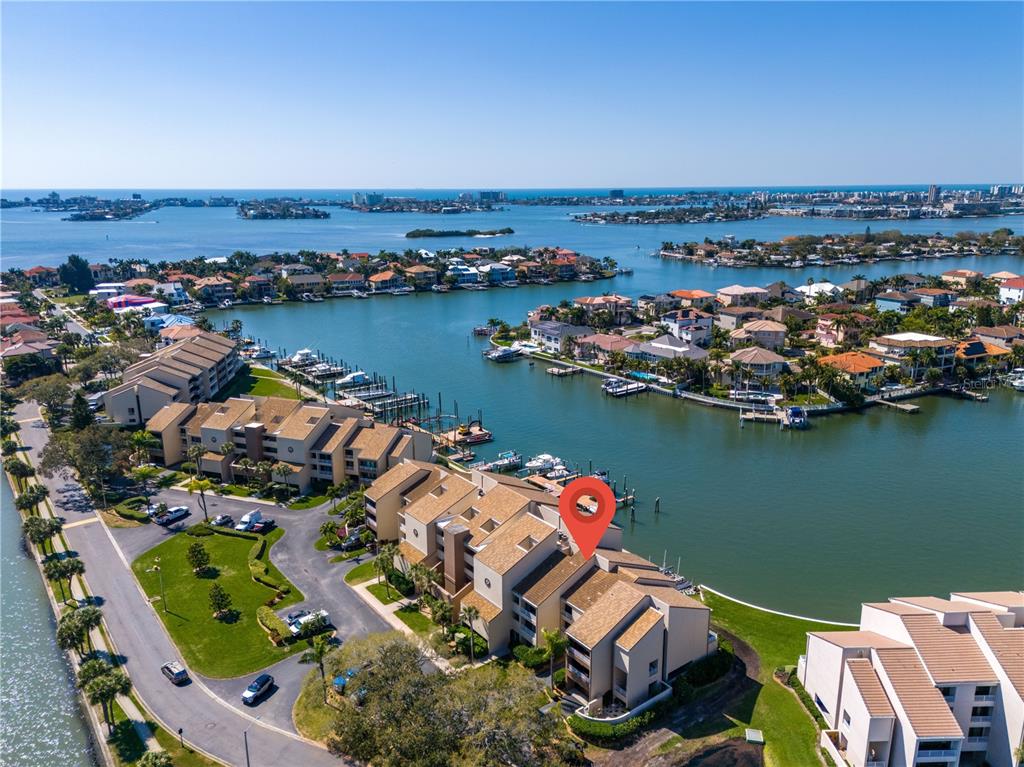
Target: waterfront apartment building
[924,681]
[498,544]
[549,334]
[192,370]
[914,352]
[331,444]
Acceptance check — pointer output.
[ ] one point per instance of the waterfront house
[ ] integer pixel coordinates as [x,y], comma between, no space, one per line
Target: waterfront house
[1004,336]
[463,274]
[619,307]
[341,281]
[732,317]
[664,347]
[740,295]
[172,292]
[758,362]
[934,297]
[328,444]
[43,276]
[598,346]
[690,325]
[423,276]
[914,352]
[962,278]
[972,352]
[909,281]
[895,301]
[306,282]
[531,270]
[565,268]
[698,299]
[294,270]
[386,280]
[213,290]
[258,287]
[499,545]
[497,273]
[923,681]
[856,367]
[154,323]
[550,334]
[817,289]
[1012,291]
[189,371]
[1003,276]
[765,333]
[780,291]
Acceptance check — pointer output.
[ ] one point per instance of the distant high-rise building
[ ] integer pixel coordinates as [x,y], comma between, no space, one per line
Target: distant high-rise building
[934,193]
[1017,189]
[999,190]
[367,198]
[493,197]
[617,194]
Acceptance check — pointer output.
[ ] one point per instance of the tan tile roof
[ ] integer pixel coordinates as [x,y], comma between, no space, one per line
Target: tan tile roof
[226,413]
[870,687]
[607,612]
[440,499]
[512,542]
[938,605]
[1006,644]
[272,411]
[856,639]
[373,443]
[633,575]
[395,477]
[852,362]
[625,558]
[203,411]
[671,596]
[336,435]
[150,383]
[410,553]
[924,705]
[895,609]
[639,628]
[167,415]
[549,576]
[400,446]
[301,422]
[951,657]
[488,610]
[492,510]
[1005,599]
[590,588]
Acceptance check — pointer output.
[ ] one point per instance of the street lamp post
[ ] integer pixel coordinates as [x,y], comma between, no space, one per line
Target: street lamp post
[156,568]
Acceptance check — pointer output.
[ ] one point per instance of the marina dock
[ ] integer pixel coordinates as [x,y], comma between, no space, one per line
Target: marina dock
[904,407]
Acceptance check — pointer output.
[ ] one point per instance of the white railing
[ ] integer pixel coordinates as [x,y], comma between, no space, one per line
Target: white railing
[624,717]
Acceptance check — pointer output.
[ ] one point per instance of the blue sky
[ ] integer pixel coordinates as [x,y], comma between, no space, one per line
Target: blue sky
[328,95]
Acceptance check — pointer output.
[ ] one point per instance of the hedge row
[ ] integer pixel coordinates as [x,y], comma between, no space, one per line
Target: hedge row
[532,657]
[277,628]
[707,670]
[794,682]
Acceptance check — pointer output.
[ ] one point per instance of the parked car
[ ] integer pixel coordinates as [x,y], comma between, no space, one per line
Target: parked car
[248,520]
[264,526]
[352,542]
[172,515]
[175,672]
[162,508]
[259,687]
[224,520]
[296,626]
[295,615]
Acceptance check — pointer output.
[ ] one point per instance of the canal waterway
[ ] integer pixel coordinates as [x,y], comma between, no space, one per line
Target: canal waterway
[41,723]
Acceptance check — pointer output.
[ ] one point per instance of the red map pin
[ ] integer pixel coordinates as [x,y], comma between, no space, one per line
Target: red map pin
[587,528]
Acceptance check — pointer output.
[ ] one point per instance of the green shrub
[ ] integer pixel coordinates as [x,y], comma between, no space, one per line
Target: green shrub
[707,670]
[532,657]
[682,690]
[609,733]
[199,531]
[129,509]
[401,583]
[188,467]
[801,693]
[273,624]
[559,677]
[462,634]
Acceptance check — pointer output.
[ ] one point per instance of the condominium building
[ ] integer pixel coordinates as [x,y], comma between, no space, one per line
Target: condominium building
[924,681]
[498,544]
[327,443]
[914,352]
[192,370]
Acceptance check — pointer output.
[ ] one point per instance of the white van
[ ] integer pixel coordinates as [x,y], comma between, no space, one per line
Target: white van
[248,520]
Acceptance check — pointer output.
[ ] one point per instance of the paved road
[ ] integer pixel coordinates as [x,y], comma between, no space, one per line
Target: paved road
[209,722]
[70,323]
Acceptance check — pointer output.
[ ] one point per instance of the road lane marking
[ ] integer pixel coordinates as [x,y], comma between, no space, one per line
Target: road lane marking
[81,522]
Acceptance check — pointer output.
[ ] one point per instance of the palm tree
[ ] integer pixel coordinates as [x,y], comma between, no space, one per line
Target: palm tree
[89,618]
[142,442]
[200,486]
[316,654]
[228,449]
[283,470]
[70,635]
[556,642]
[145,475]
[334,492]
[385,563]
[470,614]
[329,529]
[103,691]
[246,465]
[263,470]
[195,455]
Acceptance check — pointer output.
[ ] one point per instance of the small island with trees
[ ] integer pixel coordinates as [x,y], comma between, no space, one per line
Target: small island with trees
[278,209]
[417,233]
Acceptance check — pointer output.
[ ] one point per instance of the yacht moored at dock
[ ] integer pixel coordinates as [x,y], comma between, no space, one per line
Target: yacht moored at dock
[617,387]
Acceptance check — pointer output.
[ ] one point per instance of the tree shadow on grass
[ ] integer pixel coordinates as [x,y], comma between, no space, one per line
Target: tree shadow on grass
[209,573]
[126,742]
[229,616]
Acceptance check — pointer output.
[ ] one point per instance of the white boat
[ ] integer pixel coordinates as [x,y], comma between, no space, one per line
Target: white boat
[258,352]
[542,462]
[303,357]
[356,378]
[268,300]
[359,294]
[440,288]
[225,304]
[559,472]
[400,291]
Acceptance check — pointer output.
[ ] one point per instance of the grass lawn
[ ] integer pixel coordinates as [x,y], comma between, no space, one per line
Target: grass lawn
[125,743]
[806,399]
[346,556]
[182,757]
[360,573]
[384,593]
[308,502]
[239,490]
[79,299]
[261,382]
[216,648]
[323,542]
[312,717]
[789,731]
[416,620]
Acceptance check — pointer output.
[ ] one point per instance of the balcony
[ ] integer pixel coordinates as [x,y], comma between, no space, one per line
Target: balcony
[981,719]
[579,675]
[582,657]
[977,740]
[984,698]
[621,692]
[936,753]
